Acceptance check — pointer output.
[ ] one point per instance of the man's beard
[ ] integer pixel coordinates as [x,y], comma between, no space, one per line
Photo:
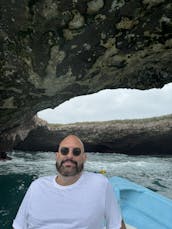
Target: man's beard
[65,172]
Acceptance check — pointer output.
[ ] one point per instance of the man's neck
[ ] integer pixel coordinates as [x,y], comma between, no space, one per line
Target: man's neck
[64,180]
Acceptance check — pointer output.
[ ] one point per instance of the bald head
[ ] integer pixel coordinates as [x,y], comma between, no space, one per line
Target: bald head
[72,139]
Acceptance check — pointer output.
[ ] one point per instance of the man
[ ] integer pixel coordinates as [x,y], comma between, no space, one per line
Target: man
[71,200]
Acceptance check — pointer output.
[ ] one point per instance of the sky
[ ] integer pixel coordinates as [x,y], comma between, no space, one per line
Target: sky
[116,104]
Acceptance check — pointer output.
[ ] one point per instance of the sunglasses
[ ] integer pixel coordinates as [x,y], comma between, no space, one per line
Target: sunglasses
[65,150]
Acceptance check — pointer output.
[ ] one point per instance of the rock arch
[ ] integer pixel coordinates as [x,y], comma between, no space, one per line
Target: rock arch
[54,50]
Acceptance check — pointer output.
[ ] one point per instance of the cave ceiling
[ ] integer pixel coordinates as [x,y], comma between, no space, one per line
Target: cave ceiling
[54,50]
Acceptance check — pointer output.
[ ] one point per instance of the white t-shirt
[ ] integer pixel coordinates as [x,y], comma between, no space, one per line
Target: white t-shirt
[86,204]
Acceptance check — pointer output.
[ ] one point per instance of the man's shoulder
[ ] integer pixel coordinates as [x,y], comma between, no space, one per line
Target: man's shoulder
[96,177]
[45,180]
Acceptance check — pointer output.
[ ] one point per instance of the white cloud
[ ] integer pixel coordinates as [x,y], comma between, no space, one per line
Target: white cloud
[112,105]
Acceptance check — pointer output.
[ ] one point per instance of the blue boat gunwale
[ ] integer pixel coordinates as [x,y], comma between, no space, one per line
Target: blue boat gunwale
[148,206]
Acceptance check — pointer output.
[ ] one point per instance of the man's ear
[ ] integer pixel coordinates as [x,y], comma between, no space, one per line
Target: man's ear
[57,155]
[85,157]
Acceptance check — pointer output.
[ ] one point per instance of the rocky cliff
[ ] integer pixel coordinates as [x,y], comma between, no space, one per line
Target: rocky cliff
[146,136]
[53,50]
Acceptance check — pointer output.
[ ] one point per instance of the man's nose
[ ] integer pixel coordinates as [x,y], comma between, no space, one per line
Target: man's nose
[70,153]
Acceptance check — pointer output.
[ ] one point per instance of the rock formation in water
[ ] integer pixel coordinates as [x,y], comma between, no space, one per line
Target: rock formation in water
[53,50]
[146,136]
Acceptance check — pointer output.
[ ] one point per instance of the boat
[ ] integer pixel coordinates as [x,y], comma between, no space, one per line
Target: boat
[141,207]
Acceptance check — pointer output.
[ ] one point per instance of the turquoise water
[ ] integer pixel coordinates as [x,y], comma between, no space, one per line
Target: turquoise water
[16,175]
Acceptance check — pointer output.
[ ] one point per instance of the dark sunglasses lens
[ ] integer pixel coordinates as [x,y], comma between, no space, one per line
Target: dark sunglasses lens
[76,151]
[64,150]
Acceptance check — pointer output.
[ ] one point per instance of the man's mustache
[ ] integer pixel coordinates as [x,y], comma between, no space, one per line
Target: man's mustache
[74,162]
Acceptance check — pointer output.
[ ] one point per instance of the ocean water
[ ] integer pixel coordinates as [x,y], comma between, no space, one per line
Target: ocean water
[153,172]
